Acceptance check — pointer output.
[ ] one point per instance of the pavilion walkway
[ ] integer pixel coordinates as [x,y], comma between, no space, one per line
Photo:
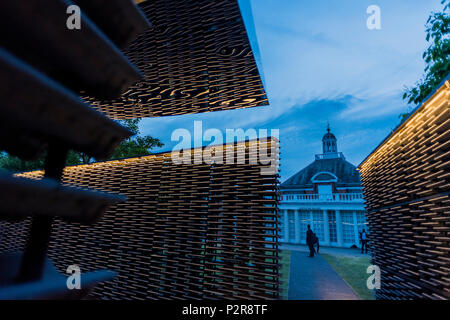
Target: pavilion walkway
[314,279]
[324,249]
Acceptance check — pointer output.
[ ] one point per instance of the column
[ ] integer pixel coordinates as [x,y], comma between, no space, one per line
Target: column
[355,227]
[285,226]
[326,228]
[297,226]
[340,238]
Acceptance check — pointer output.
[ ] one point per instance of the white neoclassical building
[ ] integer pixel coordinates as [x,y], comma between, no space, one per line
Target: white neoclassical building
[327,195]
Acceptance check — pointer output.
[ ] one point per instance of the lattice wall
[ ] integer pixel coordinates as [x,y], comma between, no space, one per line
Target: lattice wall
[197,231]
[196,58]
[406,186]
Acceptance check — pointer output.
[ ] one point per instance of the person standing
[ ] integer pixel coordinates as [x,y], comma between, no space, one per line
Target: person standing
[363,241]
[310,241]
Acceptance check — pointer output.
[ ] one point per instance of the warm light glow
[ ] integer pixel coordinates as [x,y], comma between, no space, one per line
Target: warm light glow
[179,222]
[438,100]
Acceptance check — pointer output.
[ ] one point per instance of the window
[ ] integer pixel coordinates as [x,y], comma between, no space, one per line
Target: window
[305,219]
[332,226]
[282,222]
[291,219]
[348,230]
[325,189]
[361,220]
[318,225]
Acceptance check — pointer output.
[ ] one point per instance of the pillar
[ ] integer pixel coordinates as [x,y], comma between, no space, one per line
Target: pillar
[326,228]
[297,226]
[355,228]
[340,238]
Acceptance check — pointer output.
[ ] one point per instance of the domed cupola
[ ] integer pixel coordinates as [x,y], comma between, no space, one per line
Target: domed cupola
[329,142]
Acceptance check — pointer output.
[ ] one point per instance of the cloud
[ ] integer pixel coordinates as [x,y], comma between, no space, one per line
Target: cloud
[363,109]
[322,64]
[302,128]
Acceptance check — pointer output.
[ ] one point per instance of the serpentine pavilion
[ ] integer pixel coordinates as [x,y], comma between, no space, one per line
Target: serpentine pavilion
[327,194]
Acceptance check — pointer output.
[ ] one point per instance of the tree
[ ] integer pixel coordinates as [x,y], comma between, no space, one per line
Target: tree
[134,146]
[15,164]
[436,56]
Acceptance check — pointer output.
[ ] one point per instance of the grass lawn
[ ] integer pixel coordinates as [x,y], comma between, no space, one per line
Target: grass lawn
[353,271]
[285,261]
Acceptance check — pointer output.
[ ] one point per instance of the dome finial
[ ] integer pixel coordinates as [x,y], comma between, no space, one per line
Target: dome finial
[329,142]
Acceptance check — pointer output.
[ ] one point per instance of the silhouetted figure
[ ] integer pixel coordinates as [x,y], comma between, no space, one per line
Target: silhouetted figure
[310,241]
[363,241]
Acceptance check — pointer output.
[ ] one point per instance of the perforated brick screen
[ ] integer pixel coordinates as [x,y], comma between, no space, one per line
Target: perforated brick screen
[201,231]
[407,189]
[196,58]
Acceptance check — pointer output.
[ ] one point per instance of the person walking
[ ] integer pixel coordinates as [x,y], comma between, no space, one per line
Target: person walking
[310,241]
[363,241]
[316,242]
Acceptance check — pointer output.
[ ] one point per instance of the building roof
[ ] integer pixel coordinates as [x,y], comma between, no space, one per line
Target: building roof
[345,172]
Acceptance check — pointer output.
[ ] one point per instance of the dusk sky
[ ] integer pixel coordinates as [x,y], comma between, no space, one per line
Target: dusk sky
[320,64]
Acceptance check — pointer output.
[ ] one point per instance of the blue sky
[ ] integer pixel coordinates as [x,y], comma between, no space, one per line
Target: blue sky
[321,63]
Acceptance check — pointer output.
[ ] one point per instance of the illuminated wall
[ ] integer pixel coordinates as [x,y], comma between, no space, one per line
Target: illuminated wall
[406,186]
[199,231]
[196,58]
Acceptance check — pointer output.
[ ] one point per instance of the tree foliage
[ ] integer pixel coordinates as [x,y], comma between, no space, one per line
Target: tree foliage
[135,146]
[436,56]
